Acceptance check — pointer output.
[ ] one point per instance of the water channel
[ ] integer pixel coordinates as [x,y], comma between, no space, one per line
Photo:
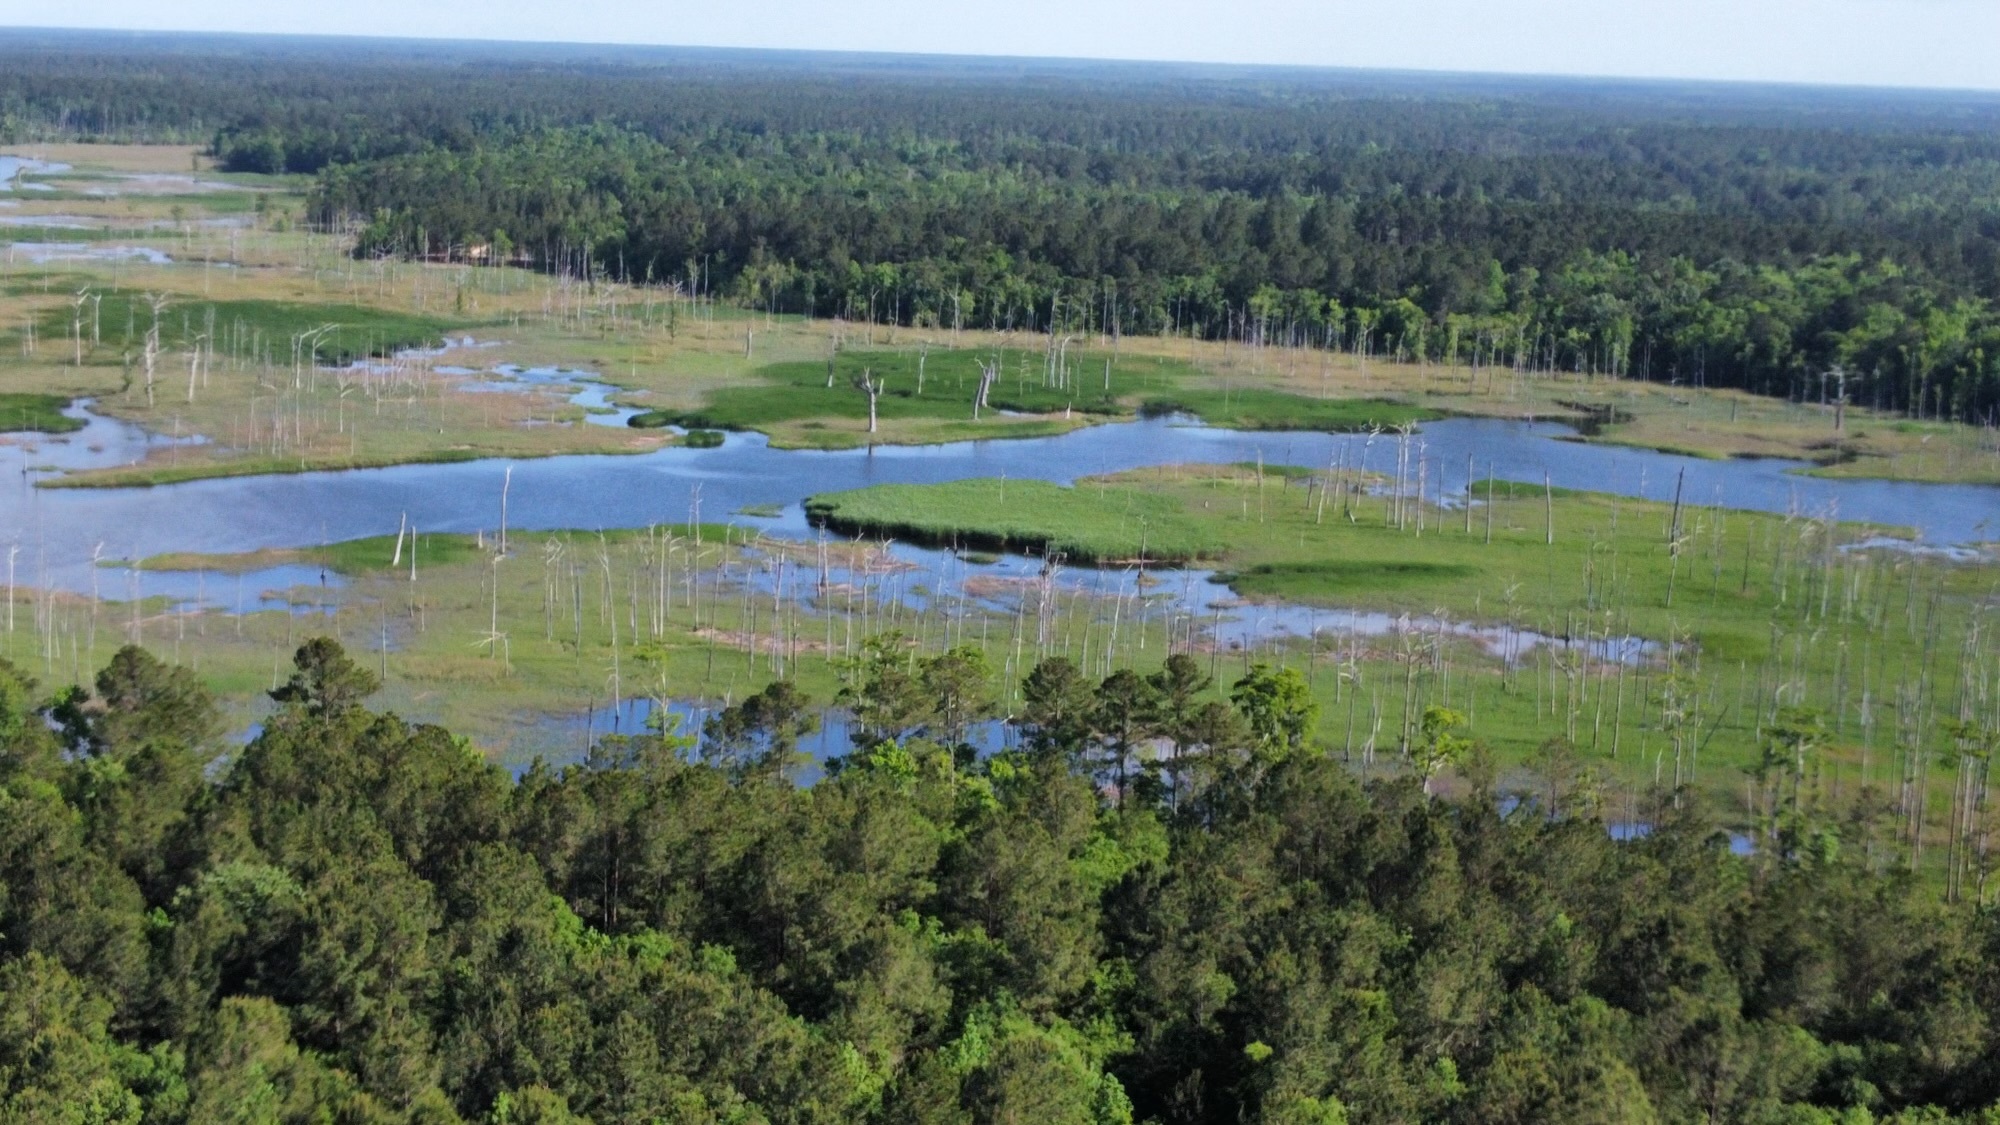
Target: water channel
[63,528]
[56,537]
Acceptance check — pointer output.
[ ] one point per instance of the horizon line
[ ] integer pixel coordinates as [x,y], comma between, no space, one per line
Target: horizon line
[1993,92]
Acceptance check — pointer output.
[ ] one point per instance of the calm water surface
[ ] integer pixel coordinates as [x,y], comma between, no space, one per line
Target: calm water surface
[59,531]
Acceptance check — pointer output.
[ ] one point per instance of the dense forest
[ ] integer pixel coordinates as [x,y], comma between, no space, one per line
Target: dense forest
[1372,265]
[1788,241]
[355,919]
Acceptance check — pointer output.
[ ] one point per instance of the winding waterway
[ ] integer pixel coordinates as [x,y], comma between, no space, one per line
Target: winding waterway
[55,535]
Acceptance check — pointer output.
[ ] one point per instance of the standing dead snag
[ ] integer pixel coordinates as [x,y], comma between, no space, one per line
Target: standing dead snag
[152,352]
[1675,540]
[506,486]
[76,323]
[872,387]
[1549,506]
[988,372]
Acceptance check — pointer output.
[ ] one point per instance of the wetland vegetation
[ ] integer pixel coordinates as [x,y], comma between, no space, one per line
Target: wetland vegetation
[856,768]
[36,413]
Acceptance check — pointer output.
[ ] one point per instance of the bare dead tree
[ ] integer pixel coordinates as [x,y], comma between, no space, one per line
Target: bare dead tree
[872,387]
[76,323]
[988,372]
[158,302]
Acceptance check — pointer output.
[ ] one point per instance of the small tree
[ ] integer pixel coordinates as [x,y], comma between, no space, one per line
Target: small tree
[325,681]
[1279,708]
[956,682]
[1791,746]
[1573,783]
[884,692]
[1125,710]
[1178,686]
[1056,709]
[1438,743]
[761,734]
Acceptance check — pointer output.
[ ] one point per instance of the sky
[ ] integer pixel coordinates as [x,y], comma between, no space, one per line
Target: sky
[1934,43]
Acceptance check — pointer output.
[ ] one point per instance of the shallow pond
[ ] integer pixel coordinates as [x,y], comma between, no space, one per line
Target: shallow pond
[578,387]
[1189,603]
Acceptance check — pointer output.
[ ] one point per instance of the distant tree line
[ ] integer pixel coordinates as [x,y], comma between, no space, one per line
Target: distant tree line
[1474,279]
[1789,242]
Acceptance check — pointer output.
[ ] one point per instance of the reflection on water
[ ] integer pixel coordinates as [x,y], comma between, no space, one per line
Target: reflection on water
[1956,552]
[1740,843]
[50,222]
[102,442]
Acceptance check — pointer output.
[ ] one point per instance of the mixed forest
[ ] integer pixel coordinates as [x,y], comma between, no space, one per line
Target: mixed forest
[358,919]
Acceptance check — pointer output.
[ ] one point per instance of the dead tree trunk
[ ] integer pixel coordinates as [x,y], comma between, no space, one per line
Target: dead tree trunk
[152,352]
[988,372]
[871,387]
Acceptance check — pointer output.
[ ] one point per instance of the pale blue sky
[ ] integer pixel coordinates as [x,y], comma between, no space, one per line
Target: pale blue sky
[1865,42]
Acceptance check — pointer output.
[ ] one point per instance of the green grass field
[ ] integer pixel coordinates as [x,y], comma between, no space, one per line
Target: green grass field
[1089,525]
[799,405]
[1257,409]
[35,413]
[117,321]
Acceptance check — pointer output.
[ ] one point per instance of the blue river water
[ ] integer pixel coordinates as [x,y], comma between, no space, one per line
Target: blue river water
[60,531]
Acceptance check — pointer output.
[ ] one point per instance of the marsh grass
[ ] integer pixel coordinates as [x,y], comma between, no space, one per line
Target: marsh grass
[251,329]
[1033,396]
[1084,524]
[1259,409]
[793,403]
[1745,611]
[35,413]
[1334,580]
[1766,611]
